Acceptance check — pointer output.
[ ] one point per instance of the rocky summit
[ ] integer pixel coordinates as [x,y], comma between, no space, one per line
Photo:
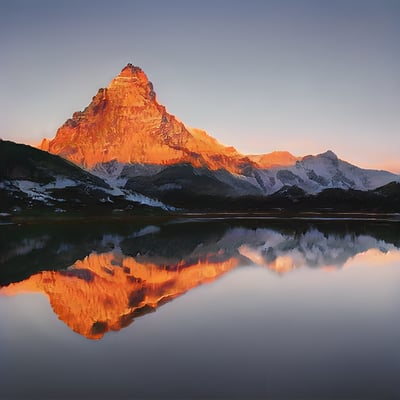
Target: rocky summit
[125,122]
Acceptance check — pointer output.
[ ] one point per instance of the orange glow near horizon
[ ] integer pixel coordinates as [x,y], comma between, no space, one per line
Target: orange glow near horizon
[373,258]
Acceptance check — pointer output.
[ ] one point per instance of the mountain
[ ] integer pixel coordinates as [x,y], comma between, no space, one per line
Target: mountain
[274,159]
[35,181]
[125,122]
[316,173]
[333,200]
[184,186]
[321,181]
[129,140]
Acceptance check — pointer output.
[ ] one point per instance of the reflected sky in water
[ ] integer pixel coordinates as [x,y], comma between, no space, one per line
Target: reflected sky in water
[201,310]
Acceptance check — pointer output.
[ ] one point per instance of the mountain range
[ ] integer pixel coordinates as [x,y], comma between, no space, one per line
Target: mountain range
[125,149]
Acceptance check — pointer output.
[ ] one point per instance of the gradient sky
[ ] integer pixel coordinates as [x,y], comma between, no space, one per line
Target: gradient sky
[297,75]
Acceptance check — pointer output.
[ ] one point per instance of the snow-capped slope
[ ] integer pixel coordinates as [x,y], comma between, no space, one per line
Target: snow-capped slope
[116,175]
[316,173]
[312,174]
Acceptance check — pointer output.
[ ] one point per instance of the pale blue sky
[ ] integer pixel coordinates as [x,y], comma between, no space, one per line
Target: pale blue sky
[297,75]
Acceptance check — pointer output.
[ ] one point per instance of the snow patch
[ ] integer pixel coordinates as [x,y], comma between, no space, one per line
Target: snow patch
[33,190]
[142,199]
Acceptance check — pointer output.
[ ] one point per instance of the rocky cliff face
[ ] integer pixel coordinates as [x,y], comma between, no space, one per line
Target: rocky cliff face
[124,122]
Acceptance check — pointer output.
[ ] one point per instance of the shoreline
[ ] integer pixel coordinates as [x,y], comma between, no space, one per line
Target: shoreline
[203,216]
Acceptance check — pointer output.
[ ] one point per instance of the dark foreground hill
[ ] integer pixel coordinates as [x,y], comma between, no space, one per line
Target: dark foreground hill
[38,183]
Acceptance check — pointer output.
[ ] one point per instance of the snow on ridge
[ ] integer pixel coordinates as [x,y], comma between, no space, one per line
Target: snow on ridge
[37,191]
[117,185]
[60,183]
[142,199]
[316,173]
[33,190]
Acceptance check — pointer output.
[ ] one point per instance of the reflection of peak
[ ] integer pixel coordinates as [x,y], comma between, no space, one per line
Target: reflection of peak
[107,291]
[134,272]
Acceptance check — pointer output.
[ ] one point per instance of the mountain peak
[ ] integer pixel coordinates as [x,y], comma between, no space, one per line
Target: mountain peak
[274,159]
[130,78]
[329,154]
[124,122]
[132,73]
[130,70]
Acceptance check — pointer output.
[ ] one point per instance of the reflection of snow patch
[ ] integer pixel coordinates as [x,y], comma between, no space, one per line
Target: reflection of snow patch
[146,231]
[24,247]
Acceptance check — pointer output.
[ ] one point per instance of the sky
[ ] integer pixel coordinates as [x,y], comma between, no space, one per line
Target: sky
[298,75]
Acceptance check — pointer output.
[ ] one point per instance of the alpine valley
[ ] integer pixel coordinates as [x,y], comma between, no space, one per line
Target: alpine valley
[126,153]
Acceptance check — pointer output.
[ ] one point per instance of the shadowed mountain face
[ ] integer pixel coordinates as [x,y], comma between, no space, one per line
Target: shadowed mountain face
[22,162]
[101,279]
[33,182]
[182,185]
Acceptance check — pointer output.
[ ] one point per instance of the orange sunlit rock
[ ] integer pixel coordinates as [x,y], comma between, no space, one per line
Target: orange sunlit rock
[274,159]
[124,122]
[44,145]
[107,291]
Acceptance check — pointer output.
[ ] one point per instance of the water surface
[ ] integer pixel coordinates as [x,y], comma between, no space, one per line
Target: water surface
[223,309]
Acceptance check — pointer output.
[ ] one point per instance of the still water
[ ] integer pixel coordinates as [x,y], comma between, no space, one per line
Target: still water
[200,309]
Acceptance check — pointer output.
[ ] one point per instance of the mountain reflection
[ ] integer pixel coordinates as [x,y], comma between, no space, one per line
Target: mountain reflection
[130,273]
[107,291]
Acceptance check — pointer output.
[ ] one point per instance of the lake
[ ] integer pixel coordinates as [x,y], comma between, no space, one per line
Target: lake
[202,308]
